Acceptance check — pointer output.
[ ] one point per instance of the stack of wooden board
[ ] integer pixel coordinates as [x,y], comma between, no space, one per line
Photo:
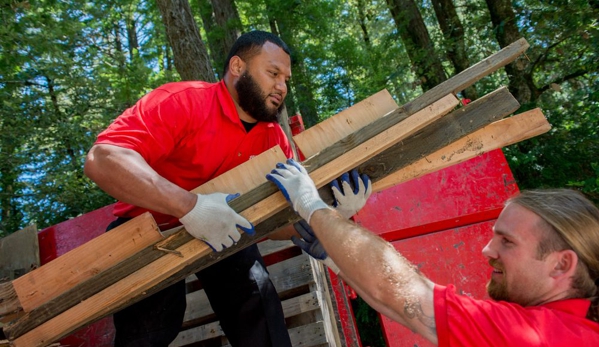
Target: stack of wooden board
[422,136]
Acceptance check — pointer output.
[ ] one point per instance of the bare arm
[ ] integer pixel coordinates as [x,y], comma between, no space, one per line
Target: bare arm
[382,276]
[125,175]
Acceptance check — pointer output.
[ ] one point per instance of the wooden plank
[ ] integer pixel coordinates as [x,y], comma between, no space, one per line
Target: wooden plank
[495,135]
[19,253]
[346,122]
[469,76]
[82,263]
[291,307]
[286,275]
[245,177]
[9,302]
[466,120]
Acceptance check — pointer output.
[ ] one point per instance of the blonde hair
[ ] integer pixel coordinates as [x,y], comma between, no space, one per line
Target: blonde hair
[575,220]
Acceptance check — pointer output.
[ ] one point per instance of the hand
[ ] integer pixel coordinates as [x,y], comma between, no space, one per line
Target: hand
[311,245]
[297,187]
[213,221]
[349,201]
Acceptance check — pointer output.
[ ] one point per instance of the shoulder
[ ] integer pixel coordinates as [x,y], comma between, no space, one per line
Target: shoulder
[466,321]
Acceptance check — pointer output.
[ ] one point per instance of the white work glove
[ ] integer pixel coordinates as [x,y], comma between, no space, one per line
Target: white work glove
[297,187]
[213,221]
[349,201]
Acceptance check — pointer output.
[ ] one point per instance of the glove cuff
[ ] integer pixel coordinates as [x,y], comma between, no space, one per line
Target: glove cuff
[331,265]
[306,205]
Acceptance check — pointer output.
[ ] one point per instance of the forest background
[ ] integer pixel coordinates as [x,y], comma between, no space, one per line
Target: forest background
[68,68]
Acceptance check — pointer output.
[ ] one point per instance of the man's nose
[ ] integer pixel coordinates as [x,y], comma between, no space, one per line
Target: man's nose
[488,250]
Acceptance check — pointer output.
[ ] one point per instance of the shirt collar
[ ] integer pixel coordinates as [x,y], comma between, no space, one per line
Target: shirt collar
[577,307]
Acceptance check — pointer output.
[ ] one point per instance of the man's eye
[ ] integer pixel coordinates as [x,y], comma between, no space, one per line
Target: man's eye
[505,241]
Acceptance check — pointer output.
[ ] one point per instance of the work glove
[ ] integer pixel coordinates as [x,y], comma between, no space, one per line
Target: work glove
[298,188]
[213,221]
[310,244]
[349,201]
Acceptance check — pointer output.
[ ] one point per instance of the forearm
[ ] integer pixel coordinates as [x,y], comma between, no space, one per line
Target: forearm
[284,233]
[375,269]
[126,176]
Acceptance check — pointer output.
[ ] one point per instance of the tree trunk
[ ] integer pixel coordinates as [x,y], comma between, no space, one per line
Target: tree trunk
[229,27]
[417,41]
[453,32]
[506,32]
[132,36]
[215,44]
[191,57]
[362,20]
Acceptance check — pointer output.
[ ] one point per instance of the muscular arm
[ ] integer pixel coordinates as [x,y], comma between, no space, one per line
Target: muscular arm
[125,175]
[382,276]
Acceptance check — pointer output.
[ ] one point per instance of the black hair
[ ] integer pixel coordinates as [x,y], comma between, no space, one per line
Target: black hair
[249,44]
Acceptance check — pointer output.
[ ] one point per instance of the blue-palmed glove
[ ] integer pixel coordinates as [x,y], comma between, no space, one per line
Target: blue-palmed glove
[298,188]
[348,200]
[213,221]
[310,244]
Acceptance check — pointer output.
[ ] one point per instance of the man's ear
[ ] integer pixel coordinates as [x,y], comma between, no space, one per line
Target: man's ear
[236,66]
[565,263]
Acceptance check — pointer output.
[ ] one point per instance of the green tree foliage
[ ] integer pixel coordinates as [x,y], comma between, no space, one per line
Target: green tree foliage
[68,69]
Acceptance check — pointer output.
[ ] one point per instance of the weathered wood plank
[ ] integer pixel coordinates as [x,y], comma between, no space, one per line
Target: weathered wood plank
[495,135]
[9,301]
[348,121]
[19,253]
[469,76]
[481,112]
[291,307]
[82,263]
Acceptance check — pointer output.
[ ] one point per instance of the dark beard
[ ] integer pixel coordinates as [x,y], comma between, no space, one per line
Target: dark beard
[498,291]
[253,102]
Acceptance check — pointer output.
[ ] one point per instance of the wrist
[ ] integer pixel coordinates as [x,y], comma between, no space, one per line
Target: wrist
[331,265]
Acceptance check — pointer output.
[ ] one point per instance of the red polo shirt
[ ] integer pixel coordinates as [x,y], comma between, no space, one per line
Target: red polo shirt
[463,321]
[189,132]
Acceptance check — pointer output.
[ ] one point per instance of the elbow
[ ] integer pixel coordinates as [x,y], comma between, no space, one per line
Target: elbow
[91,165]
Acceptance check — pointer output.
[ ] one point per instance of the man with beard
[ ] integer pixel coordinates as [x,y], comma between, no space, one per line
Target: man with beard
[545,258]
[173,140]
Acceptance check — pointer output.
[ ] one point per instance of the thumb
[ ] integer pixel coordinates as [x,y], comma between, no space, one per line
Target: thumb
[305,246]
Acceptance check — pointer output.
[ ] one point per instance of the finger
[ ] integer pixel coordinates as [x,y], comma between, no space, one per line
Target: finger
[305,246]
[231,197]
[215,249]
[367,184]
[297,165]
[279,185]
[336,193]
[245,226]
[356,180]
[347,189]
[228,242]
[304,230]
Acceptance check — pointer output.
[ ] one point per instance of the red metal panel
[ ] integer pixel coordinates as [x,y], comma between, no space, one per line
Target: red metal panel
[61,238]
[344,314]
[476,186]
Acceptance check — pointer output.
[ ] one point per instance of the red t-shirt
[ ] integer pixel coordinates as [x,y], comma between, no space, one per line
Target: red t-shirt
[464,321]
[189,132]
